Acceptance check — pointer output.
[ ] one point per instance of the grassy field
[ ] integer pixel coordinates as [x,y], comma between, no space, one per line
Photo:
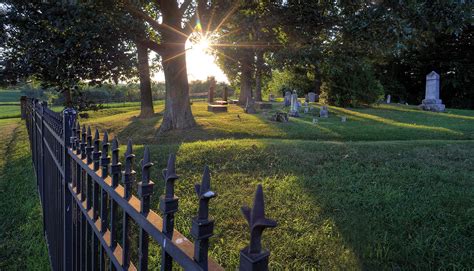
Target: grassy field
[390,189]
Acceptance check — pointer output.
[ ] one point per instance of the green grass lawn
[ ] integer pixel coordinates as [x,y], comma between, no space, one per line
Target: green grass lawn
[390,189]
[22,246]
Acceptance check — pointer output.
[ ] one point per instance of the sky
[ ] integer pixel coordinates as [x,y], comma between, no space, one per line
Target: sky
[200,64]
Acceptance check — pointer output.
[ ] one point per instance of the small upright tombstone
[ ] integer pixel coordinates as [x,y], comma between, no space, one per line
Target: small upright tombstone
[324,112]
[271,98]
[343,119]
[294,105]
[389,98]
[250,106]
[287,98]
[432,101]
[312,97]
[225,94]
[212,87]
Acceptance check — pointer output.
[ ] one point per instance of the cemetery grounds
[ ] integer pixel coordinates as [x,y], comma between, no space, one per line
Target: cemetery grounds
[391,188]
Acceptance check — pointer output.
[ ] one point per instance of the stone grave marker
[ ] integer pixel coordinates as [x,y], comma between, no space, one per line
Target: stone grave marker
[432,101]
[312,97]
[287,100]
[389,98]
[294,105]
[324,112]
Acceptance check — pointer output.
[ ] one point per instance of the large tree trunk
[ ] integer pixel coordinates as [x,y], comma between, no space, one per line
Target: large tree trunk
[67,97]
[178,114]
[245,78]
[258,76]
[317,80]
[146,97]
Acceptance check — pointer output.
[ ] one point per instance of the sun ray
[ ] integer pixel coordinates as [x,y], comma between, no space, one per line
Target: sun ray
[175,56]
[233,9]
[174,30]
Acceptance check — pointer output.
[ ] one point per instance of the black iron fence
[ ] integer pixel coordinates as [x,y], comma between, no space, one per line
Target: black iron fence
[88,205]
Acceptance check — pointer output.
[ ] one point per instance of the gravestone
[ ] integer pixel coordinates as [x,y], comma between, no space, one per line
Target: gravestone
[432,101]
[324,113]
[315,120]
[389,98]
[250,106]
[343,119]
[312,97]
[212,87]
[294,105]
[306,110]
[287,100]
[226,93]
[271,98]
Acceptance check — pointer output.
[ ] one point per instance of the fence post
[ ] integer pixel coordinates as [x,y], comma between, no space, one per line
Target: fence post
[23,107]
[253,257]
[69,117]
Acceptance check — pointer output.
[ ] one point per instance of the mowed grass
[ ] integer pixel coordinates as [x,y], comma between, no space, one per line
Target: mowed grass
[380,123]
[339,205]
[390,189]
[22,245]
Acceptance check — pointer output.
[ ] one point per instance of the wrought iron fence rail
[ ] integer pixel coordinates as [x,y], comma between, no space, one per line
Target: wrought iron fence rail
[80,195]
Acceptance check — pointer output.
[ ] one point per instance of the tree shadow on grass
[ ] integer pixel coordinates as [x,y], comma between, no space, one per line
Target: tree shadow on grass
[21,226]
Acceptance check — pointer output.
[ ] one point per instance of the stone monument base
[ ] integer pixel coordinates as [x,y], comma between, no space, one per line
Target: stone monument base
[216,108]
[221,102]
[435,105]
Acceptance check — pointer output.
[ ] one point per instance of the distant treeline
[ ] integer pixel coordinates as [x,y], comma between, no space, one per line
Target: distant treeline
[109,93]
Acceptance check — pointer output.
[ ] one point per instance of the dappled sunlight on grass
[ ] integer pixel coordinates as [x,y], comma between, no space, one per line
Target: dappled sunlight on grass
[379,123]
[396,123]
[339,205]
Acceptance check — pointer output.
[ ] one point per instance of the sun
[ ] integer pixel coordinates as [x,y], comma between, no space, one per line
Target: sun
[200,60]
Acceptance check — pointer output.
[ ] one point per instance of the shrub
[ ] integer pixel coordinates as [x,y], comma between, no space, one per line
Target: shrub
[349,82]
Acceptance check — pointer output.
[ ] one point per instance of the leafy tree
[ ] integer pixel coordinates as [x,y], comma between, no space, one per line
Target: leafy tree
[245,40]
[61,45]
[169,24]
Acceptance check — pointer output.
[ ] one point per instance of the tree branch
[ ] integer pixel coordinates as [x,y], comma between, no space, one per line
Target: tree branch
[134,11]
[184,6]
[152,45]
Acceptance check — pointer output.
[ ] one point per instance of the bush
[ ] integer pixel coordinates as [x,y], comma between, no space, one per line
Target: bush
[349,82]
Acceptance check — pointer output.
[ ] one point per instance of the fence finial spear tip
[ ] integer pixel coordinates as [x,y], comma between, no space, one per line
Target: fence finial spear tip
[146,156]
[257,220]
[115,144]
[78,125]
[129,150]
[89,133]
[96,136]
[203,190]
[106,138]
[83,128]
[170,171]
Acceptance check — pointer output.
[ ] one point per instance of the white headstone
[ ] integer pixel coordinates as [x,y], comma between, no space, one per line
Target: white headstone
[312,97]
[287,100]
[324,113]
[432,101]
[389,98]
[294,105]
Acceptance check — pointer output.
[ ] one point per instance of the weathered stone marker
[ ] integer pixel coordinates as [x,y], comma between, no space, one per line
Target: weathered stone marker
[271,98]
[294,105]
[324,112]
[212,87]
[226,93]
[432,101]
[287,98]
[389,98]
[312,97]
